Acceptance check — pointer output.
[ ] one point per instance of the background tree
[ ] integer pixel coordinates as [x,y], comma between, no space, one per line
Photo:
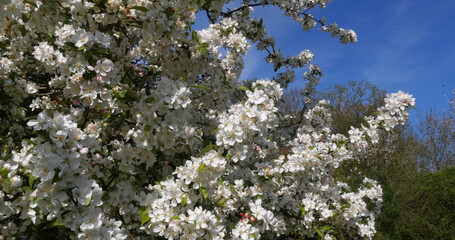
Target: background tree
[393,161]
[351,102]
[437,134]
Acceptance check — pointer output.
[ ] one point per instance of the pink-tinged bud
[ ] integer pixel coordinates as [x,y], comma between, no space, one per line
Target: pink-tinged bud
[90,68]
[241,214]
[83,151]
[252,219]
[76,101]
[34,194]
[246,215]
[92,165]
[99,78]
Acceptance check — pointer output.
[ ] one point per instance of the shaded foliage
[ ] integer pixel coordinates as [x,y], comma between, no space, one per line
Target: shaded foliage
[425,209]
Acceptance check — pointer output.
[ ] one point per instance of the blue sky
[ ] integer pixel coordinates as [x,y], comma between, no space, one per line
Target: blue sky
[402,45]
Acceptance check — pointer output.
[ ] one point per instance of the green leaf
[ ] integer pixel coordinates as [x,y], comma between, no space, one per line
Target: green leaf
[326,228]
[22,30]
[201,167]
[4,172]
[249,183]
[221,202]
[203,47]
[302,211]
[56,177]
[149,100]
[31,3]
[140,8]
[101,4]
[194,36]
[175,217]
[169,11]
[207,3]
[243,88]
[231,187]
[201,87]
[87,201]
[144,211]
[204,193]
[70,44]
[30,117]
[345,205]
[207,148]
[26,17]
[37,200]
[120,94]
[40,214]
[105,196]
[129,81]
[146,129]
[7,181]
[4,47]
[209,233]
[220,181]
[154,150]
[54,224]
[30,142]
[342,143]
[31,179]
[184,201]
[254,236]
[122,117]
[319,233]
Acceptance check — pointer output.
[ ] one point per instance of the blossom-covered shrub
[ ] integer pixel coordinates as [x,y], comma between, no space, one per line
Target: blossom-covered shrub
[120,121]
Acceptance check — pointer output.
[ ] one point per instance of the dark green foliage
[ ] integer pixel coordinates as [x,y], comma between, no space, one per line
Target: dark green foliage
[426,208]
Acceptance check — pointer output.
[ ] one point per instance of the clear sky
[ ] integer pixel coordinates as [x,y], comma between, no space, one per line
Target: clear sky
[404,45]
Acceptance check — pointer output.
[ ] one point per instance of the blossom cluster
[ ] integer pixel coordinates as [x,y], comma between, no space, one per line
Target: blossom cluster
[121,121]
